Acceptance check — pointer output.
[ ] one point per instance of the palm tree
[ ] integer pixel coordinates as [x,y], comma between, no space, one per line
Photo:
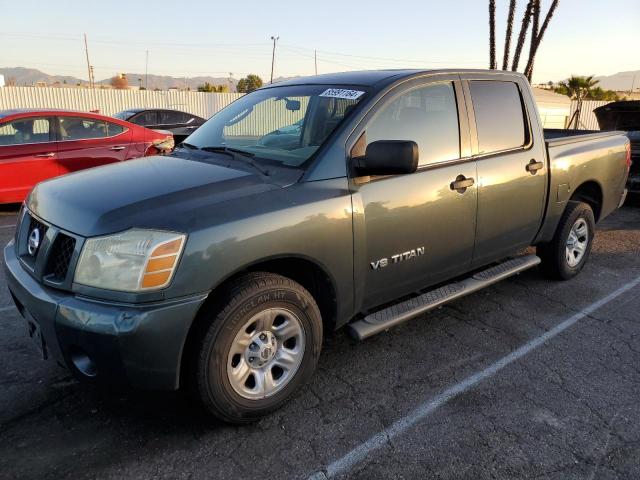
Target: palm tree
[507,38]
[492,35]
[528,71]
[535,27]
[526,19]
[577,88]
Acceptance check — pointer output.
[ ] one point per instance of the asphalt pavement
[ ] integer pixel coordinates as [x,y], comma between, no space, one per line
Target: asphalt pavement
[530,378]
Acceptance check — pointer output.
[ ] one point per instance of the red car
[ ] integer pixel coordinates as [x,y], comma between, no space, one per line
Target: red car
[39,144]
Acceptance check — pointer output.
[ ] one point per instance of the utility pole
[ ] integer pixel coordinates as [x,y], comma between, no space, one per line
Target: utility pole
[273,55]
[146,72]
[315,60]
[86,51]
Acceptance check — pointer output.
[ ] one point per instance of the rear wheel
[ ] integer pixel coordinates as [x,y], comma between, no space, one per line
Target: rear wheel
[565,256]
[258,349]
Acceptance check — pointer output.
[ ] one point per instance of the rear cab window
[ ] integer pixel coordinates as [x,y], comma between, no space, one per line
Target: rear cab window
[499,114]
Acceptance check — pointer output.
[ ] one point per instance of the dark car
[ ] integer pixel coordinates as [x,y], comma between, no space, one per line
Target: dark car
[624,116]
[181,124]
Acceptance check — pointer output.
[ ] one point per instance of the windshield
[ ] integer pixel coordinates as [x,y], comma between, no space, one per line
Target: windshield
[283,124]
[124,115]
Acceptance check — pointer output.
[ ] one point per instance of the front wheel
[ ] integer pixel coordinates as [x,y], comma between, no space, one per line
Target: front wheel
[259,348]
[565,256]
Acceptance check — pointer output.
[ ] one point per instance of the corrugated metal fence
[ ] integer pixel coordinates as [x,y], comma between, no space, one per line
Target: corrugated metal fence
[109,102]
[588,120]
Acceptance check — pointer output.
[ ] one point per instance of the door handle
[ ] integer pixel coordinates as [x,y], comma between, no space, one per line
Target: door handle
[117,148]
[533,166]
[461,183]
[46,155]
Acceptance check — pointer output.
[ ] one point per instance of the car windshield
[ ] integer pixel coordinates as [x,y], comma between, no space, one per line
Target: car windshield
[283,124]
[125,115]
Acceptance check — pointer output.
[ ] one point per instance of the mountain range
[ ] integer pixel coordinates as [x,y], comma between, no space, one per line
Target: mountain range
[621,81]
[30,76]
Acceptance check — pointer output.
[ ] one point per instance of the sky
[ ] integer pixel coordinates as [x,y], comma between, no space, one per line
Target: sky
[198,38]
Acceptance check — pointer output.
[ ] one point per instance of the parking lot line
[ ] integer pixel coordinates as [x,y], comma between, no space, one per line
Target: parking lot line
[7,226]
[358,454]
[6,309]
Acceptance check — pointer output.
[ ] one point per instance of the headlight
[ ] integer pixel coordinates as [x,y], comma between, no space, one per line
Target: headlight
[132,261]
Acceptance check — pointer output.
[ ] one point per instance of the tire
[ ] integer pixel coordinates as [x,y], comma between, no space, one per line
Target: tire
[560,257]
[237,337]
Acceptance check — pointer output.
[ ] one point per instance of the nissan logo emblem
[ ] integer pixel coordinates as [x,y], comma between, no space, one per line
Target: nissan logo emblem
[34,241]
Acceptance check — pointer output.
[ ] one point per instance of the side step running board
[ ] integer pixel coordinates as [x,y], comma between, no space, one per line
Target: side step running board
[403,311]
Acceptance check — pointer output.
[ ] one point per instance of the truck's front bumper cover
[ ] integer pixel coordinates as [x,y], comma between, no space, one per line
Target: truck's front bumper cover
[140,345]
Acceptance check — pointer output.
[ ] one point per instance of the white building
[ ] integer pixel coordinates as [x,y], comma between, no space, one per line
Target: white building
[1,80]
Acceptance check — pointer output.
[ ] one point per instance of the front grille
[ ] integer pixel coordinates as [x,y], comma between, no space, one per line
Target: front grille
[60,257]
[28,257]
[51,263]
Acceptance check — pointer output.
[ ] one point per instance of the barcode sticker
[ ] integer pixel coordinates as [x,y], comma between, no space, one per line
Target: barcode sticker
[342,93]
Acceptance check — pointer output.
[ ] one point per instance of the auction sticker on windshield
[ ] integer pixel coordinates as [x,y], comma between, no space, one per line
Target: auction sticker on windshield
[341,93]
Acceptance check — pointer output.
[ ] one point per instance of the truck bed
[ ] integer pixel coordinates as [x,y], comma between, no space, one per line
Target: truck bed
[557,136]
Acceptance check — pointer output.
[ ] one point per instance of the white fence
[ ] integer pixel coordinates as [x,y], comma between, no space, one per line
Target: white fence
[109,102]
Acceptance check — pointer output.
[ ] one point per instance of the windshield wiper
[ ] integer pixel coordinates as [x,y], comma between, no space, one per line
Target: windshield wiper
[238,154]
[188,145]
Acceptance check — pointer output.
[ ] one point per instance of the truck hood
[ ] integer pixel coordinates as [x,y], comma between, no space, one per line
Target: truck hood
[151,192]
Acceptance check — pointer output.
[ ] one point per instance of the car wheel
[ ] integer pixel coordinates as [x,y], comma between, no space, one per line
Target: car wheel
[259,348]
[565,256]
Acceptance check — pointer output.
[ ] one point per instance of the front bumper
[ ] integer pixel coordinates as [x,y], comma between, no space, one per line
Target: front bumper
[140,345]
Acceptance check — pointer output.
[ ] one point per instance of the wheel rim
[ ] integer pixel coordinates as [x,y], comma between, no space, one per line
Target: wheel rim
[266,353]
[577,242]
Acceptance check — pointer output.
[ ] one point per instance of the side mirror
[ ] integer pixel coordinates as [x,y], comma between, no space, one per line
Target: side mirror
[389,157]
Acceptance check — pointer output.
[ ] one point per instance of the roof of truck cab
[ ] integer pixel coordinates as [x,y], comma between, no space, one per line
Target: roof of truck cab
[374,78]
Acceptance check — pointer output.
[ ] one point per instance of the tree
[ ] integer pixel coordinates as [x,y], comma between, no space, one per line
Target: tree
[119,82]
[598,93]
[507,37]
[208,87]
[492,35]
[526,19]
[528,71]
[531,17]
[577,88]
[248,84]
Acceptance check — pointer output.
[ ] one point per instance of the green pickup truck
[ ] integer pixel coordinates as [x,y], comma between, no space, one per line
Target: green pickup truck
[357,199]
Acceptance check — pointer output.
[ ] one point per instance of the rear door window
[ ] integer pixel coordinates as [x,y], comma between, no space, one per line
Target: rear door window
[427,115]
[79,128]
[499,115]
[25,131]
[114,129]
